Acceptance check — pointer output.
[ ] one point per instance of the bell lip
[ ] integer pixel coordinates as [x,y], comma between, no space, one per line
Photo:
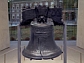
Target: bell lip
[52,56]
[41,57]
[31,56]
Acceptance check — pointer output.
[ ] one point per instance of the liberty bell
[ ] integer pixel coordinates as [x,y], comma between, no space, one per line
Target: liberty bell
[41,44]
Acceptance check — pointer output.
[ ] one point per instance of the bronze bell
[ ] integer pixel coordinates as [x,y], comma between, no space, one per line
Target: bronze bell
[41,44]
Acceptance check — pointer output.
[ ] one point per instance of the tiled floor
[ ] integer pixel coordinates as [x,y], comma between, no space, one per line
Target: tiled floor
[10,54]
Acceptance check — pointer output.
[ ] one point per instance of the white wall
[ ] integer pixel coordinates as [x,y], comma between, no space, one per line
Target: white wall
[4,25]
[80,24]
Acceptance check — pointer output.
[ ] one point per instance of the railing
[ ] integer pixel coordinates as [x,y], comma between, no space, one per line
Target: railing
[80,57]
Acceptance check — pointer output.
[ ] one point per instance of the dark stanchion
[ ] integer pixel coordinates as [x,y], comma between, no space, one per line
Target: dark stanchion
[24,56]
[4,58]
[61,54]
[80,57]
[19,43]
[65,42]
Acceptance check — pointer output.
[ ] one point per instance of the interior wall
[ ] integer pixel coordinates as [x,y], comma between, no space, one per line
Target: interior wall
[80,24]
[4,25]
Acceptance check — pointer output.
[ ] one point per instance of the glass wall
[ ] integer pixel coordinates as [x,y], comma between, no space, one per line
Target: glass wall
[69,8]
[70,4]
[58,32]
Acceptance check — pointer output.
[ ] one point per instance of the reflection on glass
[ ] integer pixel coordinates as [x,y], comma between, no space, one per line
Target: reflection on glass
[26,4]
[17,16]
[13,6]
[13,10]
[17,6]
[22,5]
[41,4]
[52,5]
[30,4]
[60,1]
[35,4]
[46,3]
[13,16]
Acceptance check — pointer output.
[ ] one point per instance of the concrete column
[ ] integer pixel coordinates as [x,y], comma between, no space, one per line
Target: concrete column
[80,24]
[4,25]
